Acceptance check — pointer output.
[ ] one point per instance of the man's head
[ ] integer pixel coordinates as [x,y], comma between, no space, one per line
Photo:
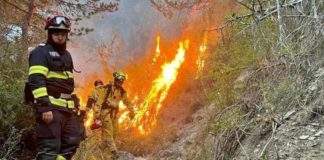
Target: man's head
[58,27]
[58,36]
[119,78]
[98,83]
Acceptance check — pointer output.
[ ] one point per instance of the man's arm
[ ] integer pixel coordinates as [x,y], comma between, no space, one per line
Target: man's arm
[38,70]
[92,98]
[101,93]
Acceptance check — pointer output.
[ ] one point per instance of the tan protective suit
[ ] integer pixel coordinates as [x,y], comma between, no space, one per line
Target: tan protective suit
[93,97]
[107,107]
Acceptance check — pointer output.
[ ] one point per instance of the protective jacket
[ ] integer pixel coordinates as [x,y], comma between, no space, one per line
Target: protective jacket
[109,97]
[93,96]
[51,79]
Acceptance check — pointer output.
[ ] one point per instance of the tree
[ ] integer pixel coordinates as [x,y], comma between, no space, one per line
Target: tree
[31,14]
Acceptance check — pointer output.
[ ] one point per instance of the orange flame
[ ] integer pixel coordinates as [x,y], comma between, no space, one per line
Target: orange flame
[147,111]
[201,56]
[90,118]
[148,103]
[158,52]
[151,88]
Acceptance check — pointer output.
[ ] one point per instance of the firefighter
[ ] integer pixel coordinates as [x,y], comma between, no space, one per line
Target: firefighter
[93,96]
[106,110]
[52,84]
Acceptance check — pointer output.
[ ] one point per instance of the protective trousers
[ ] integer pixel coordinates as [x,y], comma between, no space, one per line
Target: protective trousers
[58,139]
[109,129]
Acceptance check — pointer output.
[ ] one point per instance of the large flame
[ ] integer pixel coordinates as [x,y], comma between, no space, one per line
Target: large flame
[148,102]
[148,110]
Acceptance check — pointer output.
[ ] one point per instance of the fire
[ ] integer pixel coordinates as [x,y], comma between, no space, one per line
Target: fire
[158,46]
[148,101]
[157,50]
[201,56]
[148,110]
[90,118]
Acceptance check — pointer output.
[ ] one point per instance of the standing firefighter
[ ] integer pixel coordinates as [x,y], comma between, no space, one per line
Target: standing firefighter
[106,110]
[51,83]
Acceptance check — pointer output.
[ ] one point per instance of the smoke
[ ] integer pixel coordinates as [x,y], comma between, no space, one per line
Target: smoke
[134,27]
[126,40]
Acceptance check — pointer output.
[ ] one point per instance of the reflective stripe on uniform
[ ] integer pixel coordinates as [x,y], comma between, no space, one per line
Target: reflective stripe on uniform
[59,75]
[38,69]
[70,103]
[62,102]
[40,92]
[60,157]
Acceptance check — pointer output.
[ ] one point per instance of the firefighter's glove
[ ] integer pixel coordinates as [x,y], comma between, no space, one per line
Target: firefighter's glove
[97,123]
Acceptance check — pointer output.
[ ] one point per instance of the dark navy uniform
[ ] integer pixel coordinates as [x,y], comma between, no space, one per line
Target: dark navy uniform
[52,85]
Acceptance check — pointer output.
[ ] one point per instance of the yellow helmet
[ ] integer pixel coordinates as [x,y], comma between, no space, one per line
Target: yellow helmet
[120,76]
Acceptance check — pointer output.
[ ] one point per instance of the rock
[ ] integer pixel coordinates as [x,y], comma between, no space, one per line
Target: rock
[319,133]
[303,137]
[319,72]
[288,114]
[315,124]
[126,155]
[312,144]
[311,129]
[165,153]
[311,138]
[256,150]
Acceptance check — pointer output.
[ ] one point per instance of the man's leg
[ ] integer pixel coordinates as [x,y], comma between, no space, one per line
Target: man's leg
[70,135]
[107,133]
[48,137]
[116,127]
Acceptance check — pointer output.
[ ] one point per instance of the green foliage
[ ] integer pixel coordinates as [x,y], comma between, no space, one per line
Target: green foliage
[15,117]
[231,57]
[227,120]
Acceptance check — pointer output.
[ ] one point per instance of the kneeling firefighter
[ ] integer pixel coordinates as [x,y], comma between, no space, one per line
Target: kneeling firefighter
[106,110]
[51,86]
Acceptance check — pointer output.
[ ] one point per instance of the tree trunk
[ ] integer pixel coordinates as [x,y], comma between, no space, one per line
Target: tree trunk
[22,55]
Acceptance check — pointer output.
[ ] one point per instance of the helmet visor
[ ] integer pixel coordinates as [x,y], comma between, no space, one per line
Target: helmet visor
[120,78]
[57,21]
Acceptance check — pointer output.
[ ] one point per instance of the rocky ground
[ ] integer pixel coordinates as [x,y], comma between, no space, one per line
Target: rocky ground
[193,138]
[299,136]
